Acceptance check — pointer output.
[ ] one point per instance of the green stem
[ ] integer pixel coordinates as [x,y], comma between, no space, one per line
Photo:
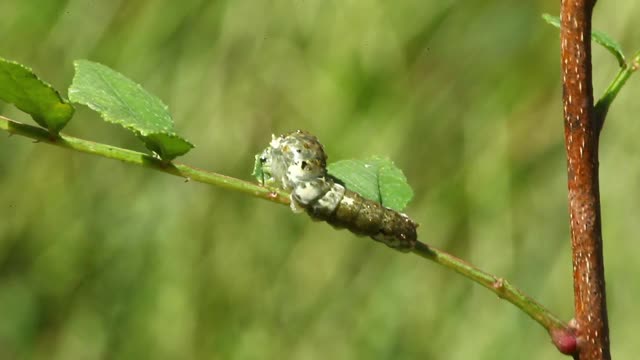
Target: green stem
[499,286]
[603,104]
[141,159]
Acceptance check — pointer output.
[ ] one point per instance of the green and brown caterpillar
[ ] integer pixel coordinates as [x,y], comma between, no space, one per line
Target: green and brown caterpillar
[297,162]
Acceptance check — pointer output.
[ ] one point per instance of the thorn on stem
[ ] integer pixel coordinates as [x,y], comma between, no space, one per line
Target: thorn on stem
[36,141]
[498,285]
[187,179]
[573,324]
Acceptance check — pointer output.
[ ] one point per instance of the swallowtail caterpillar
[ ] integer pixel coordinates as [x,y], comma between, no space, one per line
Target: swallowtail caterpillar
[296,162]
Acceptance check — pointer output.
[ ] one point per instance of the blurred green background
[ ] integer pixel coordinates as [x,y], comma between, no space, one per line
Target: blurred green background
[102,260]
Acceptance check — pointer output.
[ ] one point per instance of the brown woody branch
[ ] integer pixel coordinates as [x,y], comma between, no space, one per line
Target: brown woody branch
[582,129]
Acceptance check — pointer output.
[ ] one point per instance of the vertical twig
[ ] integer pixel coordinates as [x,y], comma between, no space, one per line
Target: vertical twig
[581,129]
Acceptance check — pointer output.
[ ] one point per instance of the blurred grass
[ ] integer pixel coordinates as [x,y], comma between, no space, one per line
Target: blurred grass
[102,260]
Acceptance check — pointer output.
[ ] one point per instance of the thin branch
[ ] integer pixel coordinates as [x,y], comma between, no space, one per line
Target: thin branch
[581,129]
[497,285]
[625,72]
[141,159]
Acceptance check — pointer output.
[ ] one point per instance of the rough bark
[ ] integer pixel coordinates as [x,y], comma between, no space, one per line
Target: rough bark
[581,128]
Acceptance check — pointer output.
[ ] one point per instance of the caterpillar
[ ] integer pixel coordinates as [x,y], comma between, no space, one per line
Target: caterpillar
[296,162]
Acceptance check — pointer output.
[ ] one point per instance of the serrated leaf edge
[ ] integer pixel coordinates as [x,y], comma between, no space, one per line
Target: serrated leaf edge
[168,128]
[38,119]
[110,119]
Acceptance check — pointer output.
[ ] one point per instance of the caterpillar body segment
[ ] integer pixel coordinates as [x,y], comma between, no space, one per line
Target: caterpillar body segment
[346,209]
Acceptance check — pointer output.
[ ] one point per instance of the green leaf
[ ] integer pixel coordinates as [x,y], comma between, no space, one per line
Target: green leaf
[598,36]
[552,20]
[376,179]
[609,44]
[22,88]
[121,101]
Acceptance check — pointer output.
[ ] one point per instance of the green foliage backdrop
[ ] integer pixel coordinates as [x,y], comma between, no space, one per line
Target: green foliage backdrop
[100,260]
